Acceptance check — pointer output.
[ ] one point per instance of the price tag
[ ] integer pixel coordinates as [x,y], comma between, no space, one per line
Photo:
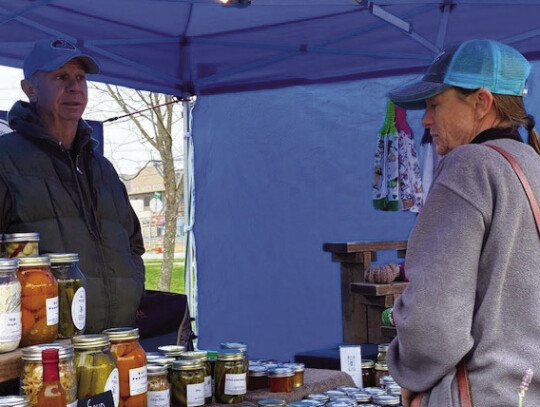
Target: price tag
[99,400]
[351,362]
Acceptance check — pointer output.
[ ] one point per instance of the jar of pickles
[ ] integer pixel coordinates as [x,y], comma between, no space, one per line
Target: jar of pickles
[203,357]
[281,379]
[187,383]
[95,367]
[14,401]
[39,301]
[240,346]
[32,372]
[368,373]
[230,376]
[158,386]
[10,306]
[21,244]
[71,294]
[131,363]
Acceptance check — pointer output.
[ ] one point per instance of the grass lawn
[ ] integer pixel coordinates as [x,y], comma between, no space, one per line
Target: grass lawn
[153,267]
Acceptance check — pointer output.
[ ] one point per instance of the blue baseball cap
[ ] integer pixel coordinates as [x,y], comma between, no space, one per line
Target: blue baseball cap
[50,54]
[473,64]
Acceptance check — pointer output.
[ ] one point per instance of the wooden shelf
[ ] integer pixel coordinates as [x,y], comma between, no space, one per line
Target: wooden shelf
[378,289]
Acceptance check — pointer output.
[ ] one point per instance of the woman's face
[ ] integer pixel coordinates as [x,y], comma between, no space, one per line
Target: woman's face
[450,117]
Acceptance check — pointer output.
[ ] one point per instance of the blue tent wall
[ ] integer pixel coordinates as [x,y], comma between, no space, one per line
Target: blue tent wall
[279,173]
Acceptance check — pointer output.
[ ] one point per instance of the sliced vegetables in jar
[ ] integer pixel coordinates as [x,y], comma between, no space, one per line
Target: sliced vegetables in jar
[21,244]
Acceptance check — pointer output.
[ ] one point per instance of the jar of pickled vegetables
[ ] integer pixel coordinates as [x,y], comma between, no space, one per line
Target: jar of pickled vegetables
[240,346]
[230,376]
[71,293]
[21,244]
[14,401]
[187,383]
[203,357]
[281,379]
[95,367]
[158,387]
[10,306]
[39,301]
[131,363]
[32,372]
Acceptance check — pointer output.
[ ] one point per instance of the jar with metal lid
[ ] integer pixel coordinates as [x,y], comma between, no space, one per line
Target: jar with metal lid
[300,403]
[32,372]
[318,396]
[187,383]
[361,397]
[381,370]
[281,380]
[164,361]
[152,356]
[131,363]
[230,376]
[21,244]
[387,381]
[386,400]
[374,391]
[258,377]
[10,306]
[14,401]
[71,293]
[203,357]
[237,345]
[340,404]
[39,301]
[158,386]
[298,368]
[174,351]
[368,373]
[313,403]
[335,393]
[95,367]
[381,355]
[271,403]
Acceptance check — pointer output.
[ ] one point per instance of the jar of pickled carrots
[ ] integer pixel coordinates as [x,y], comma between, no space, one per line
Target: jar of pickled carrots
[131,364]
[21,244]
[39,301]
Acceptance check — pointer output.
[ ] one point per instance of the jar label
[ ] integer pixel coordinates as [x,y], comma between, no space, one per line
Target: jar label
[113,384]
[138,383]
[78,309]
[160,398]
[10,327]
[52,310]
[207,386]
[235,384]
[195,394]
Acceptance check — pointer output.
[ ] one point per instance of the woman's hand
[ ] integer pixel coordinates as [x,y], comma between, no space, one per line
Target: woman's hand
[410,398]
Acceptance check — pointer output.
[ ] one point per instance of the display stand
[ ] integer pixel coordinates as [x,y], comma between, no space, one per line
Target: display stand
[363,303]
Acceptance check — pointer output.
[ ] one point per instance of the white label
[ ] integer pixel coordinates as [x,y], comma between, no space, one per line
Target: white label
[78,309]
[10,327]
[160,398]
[113,384]
[195,394]
[235,384]
[51,305]
[138,383]
[74,404]
[207,386]
[351,362]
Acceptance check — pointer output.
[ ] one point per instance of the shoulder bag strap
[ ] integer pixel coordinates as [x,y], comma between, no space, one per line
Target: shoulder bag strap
[464,387]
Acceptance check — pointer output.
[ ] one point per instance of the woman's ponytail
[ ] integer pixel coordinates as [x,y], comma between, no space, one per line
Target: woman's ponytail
[534,141]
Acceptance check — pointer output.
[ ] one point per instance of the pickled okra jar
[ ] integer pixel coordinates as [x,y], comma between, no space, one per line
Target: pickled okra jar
[14,401]
[71,293]
[230,376]
[95,367]
[21,244]
[203,357]
[187,383]
[158,386]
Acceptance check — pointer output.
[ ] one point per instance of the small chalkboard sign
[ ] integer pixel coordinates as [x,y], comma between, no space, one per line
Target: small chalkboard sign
[99,400]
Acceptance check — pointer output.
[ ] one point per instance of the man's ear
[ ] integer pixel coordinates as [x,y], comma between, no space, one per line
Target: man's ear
[484,102]
[29,89]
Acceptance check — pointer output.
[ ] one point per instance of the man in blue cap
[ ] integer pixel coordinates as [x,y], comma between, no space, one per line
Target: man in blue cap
[472,258]
[54,181]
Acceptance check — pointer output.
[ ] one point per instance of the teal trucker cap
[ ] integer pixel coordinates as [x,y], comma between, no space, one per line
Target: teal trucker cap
[473,64]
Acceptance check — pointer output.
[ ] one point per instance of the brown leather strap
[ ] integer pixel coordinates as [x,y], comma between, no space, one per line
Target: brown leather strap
[464,388]
[526,186]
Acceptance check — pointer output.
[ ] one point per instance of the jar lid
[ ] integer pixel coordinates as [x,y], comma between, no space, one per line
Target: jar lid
[383,347]
[299,403]
[33,353]
[14,401]
[314,403]
[386,400]
[340,404]
[258,371]
[318,396]
[373,391]
[335,393]
[155,370]
[233,345]
[172,350]
[349,389]
[367,364]
[34,261]
[202,356]
[346,400]
[393,388]
[270,365]
[272,403]
[8,265]
[230,354]
[165,361]
[297,367]
[90,341]
[387,380]
[281,372]
[21,237]
[187,364]
[153,355]
[361,397]
[61,258]
[381,366]
[122,334]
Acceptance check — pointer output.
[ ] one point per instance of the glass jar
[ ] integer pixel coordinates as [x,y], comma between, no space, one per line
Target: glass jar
[271,403]
[381,355]
[14,401]
[335,393]
[71,294]
[174,351]
[298,368]
[318,396]
[258,377]
[381,370]
[368,373]
[10,306]
[39,301]
[159,394]
[361,397]
[187,383]
[237,345]
[95,367]
[230,376]
[386,400]
[32,372]
[281,380]
[203,357]
[21,244]
[387,381]
[131,363]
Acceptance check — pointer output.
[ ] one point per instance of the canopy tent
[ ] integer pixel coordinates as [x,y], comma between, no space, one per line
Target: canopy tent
[271,167]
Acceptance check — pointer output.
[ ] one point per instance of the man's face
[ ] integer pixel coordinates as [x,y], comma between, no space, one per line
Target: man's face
[60,95]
